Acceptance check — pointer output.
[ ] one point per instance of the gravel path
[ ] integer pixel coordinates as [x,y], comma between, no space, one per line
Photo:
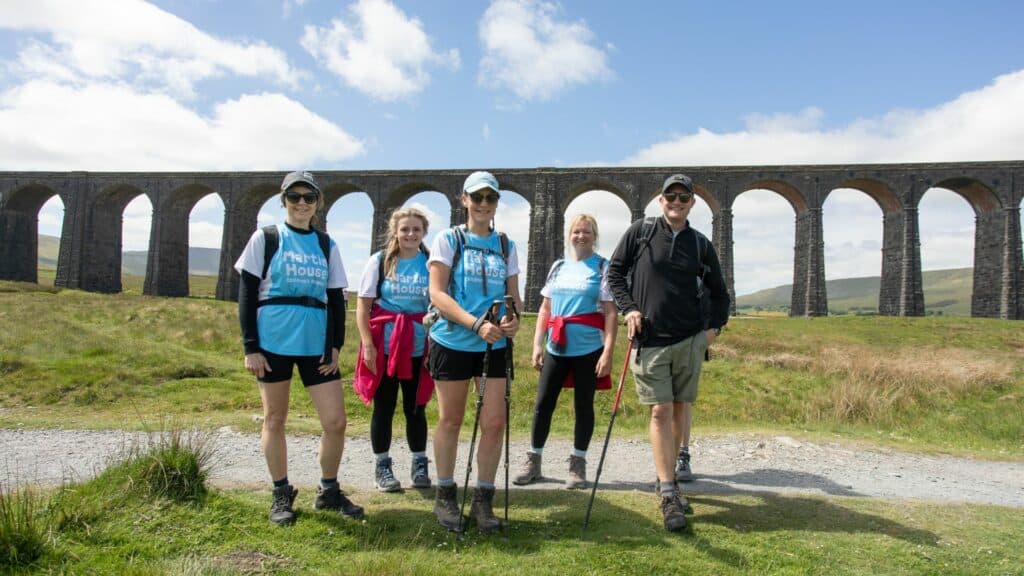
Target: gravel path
[734,463]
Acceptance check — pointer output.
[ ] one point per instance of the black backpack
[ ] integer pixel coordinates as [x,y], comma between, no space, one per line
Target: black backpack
[272,239]
[460,245]
[380,268]
[702,243]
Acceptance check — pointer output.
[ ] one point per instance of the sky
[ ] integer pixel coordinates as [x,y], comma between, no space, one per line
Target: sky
[111,85]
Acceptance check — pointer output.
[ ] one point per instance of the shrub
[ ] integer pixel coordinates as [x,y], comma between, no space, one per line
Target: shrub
[21,536]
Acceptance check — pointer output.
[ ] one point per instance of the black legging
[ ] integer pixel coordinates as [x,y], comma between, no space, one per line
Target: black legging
[384,402]
[552,377]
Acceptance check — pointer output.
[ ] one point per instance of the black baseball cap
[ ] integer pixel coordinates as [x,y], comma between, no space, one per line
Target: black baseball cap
[680,179]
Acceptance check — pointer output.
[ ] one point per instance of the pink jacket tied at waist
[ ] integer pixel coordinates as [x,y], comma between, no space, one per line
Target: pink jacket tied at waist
[557,326]
[398,353]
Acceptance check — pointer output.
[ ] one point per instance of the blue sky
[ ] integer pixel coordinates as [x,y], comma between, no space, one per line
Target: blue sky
[258,85]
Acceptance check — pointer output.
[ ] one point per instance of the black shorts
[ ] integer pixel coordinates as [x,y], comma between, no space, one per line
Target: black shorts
[448,364]
[281,368]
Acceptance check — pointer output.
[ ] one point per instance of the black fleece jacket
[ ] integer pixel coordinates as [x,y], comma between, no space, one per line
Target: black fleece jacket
[665,282]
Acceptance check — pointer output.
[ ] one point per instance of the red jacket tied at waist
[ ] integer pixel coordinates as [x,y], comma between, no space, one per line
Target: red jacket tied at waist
[398,353]
[557,326]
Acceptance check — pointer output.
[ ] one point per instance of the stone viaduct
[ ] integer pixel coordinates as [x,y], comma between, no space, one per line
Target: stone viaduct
[90,249]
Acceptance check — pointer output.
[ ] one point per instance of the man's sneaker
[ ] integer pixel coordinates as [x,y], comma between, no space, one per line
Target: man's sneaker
[683,472]
[482,511]
[577,472]
[672,513]
[384,477]
[687,509]
[281,512]
[447,509]
[420,473]
[335,499]
[530,470]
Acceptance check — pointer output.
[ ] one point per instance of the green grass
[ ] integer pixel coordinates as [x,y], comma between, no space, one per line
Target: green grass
[199,286]
[75,359]
[21,532]
[96,528]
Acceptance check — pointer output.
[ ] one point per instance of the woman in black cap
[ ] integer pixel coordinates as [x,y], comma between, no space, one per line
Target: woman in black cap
[292,307]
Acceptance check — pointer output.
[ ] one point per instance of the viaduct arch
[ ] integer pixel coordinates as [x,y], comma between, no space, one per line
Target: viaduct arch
[90,250]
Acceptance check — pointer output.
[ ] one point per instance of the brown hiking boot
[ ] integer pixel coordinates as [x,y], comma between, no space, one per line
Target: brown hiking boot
[672,513]
[446,508]
[482,511]
[577,473]
[530,470]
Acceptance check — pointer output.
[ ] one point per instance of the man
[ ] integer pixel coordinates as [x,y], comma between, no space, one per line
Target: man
[657,275]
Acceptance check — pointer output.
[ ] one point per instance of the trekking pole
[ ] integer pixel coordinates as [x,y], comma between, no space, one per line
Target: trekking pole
[607,437]
[510,311]
[492,312]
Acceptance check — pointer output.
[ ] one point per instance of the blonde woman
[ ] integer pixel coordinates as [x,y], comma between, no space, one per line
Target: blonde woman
[572,347]
[392,301]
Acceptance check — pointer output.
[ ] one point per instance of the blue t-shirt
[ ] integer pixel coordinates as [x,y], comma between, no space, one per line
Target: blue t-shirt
[407,292]
[298,268]
[467,288]
[577,287]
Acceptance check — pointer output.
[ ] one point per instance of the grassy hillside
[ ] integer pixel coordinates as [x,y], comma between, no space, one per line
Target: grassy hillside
[201,261]
[946,293]
[951,384]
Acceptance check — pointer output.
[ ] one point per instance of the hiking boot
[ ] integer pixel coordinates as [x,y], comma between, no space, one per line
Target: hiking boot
[687,509]
[482,511]
[335,499]
[577,473]
[530,470]
[447,509]
[672,513]
[384,477]
[420,473]
[281,512]
[683,472]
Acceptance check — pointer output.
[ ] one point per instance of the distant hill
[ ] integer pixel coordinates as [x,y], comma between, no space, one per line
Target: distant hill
[201,261]
[947,292]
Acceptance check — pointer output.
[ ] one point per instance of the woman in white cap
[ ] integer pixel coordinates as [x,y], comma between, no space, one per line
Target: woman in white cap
[471,267]
[292,307]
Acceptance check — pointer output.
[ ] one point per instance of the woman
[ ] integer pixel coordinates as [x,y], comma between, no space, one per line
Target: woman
[392,301]
[471,266]
[292,307]
[578,320]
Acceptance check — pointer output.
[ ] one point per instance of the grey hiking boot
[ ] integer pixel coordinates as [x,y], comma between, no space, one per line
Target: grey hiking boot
[577,473]
[530,470]
[384,478]
[446,508]
[281,512]
[672,513]
[482,511]
[420,473]
[683,472]
[687,509]
[335,499]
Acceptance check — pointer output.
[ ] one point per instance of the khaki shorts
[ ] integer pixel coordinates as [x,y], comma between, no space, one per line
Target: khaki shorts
[669,373]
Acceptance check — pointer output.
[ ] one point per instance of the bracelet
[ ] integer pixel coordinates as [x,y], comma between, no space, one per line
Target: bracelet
[479,322]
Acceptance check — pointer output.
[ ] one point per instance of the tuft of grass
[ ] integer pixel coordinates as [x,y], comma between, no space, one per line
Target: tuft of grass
[22,539]
[175,465]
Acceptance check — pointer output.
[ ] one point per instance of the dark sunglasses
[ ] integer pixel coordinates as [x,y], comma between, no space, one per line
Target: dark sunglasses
[308,197]
[478,198]
[683,197]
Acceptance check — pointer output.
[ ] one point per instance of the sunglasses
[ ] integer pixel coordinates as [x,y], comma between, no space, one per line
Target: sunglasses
[478,198]
[308,197]
[683,197]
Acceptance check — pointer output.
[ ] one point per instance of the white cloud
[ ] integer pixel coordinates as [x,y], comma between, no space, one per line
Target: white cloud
[984,124]
[104,40]
[529,52]
[380,51]
[114,127]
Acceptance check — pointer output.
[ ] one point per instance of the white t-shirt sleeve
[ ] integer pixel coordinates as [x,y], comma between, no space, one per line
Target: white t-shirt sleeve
[513,259]
[251,259]
[336,277]
[606,290]
[546,290]
[368,284]
[442,249]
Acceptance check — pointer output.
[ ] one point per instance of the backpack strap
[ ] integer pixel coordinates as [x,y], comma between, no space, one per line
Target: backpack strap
[325,245]
[271,240]
[380,273]
[554,270]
